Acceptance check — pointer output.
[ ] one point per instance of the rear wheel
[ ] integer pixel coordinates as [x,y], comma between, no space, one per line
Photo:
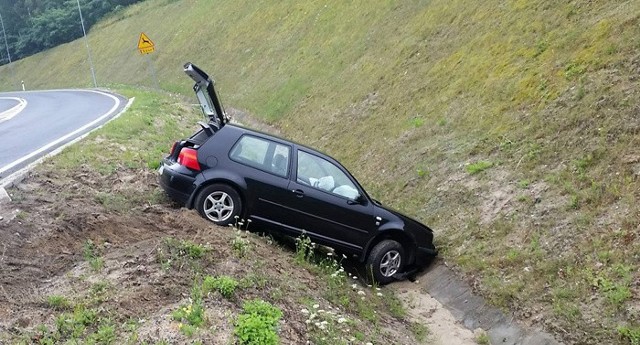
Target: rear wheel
[386,259]
[219,203]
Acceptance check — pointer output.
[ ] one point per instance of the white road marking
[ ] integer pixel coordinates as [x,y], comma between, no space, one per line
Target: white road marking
[63,138]
[6,115]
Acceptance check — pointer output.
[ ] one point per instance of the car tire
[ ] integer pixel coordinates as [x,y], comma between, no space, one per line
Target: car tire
[385,260]
[219,203]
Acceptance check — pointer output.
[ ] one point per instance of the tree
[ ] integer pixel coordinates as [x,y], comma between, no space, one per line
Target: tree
[36,25]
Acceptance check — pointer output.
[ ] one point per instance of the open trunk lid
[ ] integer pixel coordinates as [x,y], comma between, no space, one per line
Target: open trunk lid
[206,93]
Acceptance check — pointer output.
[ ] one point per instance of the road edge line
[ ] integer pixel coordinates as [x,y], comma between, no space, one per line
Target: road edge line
[19,175]
[8,114]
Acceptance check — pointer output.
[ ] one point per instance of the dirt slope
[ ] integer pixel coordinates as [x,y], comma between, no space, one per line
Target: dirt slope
[45,232]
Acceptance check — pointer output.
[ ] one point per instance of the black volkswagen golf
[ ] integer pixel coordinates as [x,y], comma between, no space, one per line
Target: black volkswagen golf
[225,170]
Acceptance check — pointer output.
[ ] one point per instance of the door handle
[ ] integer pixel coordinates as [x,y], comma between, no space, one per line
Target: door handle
[298,192]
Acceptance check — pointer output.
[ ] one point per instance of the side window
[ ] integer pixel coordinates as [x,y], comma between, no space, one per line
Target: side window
[262,154]
[321,174]
[280,161]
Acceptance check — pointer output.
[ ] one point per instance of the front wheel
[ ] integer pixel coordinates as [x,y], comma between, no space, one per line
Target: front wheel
[385,260]
[219,203]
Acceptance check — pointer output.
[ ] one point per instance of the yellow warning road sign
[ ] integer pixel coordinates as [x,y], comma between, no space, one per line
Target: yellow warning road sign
[145,45]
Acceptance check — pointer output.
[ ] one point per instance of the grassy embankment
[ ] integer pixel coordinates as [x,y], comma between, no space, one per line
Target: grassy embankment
[509,127]
[133,270]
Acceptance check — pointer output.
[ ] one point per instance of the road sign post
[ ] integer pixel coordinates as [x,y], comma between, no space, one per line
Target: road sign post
[146,47]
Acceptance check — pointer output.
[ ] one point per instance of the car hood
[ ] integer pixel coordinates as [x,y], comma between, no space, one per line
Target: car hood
[206,93]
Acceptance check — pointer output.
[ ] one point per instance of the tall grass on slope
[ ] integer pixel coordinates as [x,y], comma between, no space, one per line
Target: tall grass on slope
[544,90]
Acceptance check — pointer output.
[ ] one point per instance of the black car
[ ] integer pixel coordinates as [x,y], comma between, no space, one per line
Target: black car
[225,170]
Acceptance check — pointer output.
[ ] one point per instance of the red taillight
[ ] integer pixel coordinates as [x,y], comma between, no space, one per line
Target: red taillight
[189,158]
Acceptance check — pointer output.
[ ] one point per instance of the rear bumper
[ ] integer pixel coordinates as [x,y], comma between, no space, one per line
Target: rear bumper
[177,181]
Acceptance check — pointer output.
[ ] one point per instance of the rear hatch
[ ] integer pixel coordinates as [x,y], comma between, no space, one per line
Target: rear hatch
[185,152]
[207,95]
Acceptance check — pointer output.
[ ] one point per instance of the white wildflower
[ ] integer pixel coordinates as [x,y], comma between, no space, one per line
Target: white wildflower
[342,320]
[316,306]
[304,311]
[360,292]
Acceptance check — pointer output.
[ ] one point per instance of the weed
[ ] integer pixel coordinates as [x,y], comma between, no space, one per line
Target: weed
[478,167]
[22,215]
[257,323]
[419,330]
[483,339]
[193,250]
[524,198]
[180,252]
[422,172]
[326,326]
[105,334]
[416,122]
[524,184]
[305,249]
[573,70]
[90,252]
[630,333]
[58,302]
[73,325]
[394,306]
[240,245]
[615,292]
[191,314]
[255,280]
[225,285]
[114,201]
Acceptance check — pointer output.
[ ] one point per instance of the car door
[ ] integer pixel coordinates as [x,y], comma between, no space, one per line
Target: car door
[265,166]
[327,204]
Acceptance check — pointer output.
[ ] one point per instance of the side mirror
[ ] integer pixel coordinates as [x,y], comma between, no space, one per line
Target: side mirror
[359,200]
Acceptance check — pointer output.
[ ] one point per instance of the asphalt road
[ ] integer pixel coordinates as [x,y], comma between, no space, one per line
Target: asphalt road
[7,103]
[48,120]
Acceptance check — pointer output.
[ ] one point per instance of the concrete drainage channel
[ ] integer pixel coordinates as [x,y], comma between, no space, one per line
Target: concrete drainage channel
[473,312]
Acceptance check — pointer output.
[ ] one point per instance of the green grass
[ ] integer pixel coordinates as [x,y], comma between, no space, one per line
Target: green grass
[58,302]
[91,253]
[544,88]
[420,331]
[477,167]
[225,285]
[257,323]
